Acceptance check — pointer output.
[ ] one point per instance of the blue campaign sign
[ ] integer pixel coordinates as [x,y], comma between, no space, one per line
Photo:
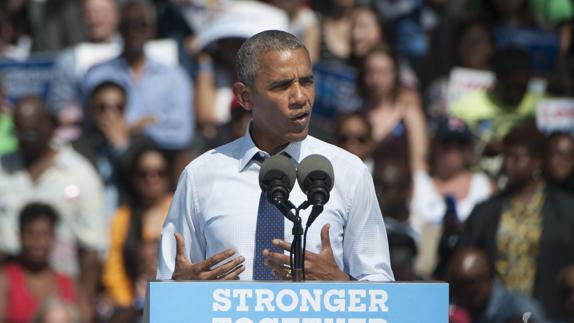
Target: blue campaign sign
[287,302]
[29,77]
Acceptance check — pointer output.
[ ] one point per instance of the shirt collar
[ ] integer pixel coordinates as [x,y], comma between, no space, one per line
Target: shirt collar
[150,65]
[248,149]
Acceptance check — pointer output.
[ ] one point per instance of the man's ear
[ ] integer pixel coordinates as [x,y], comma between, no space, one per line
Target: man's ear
[243,94]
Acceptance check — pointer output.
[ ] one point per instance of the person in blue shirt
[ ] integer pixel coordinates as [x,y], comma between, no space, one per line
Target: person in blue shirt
[214,216]
[159,96]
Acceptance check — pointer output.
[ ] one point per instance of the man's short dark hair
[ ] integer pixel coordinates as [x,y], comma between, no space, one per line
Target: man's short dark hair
[36,210]
[247,58]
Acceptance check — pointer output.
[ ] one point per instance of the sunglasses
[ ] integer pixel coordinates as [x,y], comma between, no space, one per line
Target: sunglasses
[147,173]
[361,139]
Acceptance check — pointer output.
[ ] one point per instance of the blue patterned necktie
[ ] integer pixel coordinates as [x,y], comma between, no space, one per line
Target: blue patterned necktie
[270,225]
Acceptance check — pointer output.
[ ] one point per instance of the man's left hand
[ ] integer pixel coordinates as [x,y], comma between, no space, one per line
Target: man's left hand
[321,266]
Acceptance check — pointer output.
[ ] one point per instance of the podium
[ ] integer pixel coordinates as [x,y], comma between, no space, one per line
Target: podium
[288,302]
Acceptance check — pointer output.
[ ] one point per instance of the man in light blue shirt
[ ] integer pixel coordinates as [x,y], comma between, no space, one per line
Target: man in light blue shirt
[159,96]
[213,216]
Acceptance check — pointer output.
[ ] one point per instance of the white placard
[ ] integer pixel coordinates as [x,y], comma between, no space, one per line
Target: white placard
[465,80]
[556,115]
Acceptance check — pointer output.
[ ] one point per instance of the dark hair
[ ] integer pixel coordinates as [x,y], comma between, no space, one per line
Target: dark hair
[526,134]
[134,237]
[107,84]
[248,56]
[37,210]
[351,115]
[511,60]
[384,50]
[462,29]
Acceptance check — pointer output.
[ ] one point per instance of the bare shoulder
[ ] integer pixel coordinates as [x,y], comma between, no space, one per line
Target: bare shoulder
[410,97]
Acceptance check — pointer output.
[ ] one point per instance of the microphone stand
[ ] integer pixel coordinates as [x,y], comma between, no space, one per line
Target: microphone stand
[297,254]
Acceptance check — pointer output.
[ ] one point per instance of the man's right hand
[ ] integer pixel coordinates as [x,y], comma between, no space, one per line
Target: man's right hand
[186,270]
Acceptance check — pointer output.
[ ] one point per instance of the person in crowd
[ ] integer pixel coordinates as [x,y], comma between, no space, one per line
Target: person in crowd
[393,187]
[449,173]
[100,20]
[29,280]
[276,85]
[394,111]
[16,29]
[522,228]
[55,310]
[474,289]
[514,13]
[354,134]
[566,283]
[41,170]
[137,223]
[335,31]
[473,47]
[303,24]
[7,140]
[159,96]
[108,144]
[555,15]
[491,113]
[559,161]
[403,250]
[233,129]
[366,33]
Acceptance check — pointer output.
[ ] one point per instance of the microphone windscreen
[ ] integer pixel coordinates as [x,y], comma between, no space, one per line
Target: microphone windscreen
[312,168]
[277,167]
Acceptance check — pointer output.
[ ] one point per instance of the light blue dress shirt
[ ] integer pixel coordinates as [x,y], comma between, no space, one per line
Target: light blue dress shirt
[216,201]
[162,91]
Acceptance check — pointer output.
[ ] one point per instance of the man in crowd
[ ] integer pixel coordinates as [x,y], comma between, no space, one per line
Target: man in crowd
[41,171]
[159,96]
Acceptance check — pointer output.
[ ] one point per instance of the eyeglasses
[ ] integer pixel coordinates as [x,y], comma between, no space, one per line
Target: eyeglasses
[147,173]
[361,139]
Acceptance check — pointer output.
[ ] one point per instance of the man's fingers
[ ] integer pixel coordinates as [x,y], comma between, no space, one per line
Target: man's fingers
[234,273]
[275,258]
[282,244]
[325,241]
[226,267]
[215,259]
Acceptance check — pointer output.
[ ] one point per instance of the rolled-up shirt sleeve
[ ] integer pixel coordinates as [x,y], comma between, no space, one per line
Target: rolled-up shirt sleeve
[180,219]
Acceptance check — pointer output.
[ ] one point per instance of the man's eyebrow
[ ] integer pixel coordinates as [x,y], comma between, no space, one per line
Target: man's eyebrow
[280,83]
[285,82]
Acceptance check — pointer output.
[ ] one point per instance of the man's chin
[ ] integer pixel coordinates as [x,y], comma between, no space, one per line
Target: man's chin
[294,137]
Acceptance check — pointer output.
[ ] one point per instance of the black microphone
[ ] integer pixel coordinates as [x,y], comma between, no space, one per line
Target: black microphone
[276,179]
[316,178]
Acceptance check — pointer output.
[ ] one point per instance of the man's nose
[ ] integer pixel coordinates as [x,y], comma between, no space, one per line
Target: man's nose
[298,96]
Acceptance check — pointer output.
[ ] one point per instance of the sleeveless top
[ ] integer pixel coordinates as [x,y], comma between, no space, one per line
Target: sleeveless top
[22,304]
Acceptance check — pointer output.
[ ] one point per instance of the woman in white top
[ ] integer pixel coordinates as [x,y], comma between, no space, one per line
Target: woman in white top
[448,173]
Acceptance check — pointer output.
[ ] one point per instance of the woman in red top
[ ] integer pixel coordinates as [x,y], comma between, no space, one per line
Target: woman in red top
[29,281]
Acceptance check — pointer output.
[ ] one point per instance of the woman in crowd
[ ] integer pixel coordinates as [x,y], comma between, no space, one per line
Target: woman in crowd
[526,230]
[449,174]
[134,227]
[559,163]
[28,281]
[394,111]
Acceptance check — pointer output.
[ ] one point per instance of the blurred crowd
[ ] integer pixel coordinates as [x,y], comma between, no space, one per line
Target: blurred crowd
[462,109]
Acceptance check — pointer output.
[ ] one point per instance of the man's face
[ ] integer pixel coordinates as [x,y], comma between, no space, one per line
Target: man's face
[136,27]
[32,128]
[281,98]
[100,19]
